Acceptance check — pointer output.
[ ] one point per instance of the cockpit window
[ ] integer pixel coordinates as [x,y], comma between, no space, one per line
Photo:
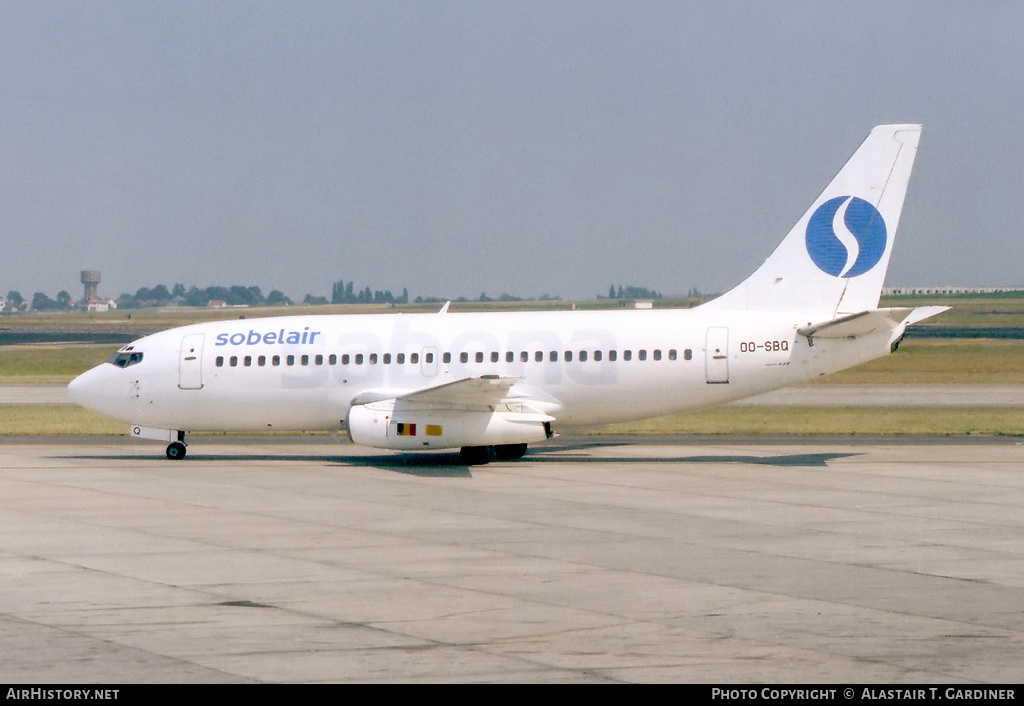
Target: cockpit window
[126,359]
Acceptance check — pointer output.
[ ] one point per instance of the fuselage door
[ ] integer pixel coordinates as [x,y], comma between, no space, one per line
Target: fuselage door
[190,362]
[716,362]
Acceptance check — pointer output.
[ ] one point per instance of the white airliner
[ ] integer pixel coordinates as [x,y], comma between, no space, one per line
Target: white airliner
[491,383]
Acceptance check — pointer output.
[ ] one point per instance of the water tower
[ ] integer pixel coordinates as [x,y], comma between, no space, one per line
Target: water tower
[91,280]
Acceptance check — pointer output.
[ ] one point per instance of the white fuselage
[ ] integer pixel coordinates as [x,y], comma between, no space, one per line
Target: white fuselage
[583,368]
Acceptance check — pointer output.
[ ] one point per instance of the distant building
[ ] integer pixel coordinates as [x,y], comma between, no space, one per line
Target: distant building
[101,305]
[948,289]
[91,281]
[90,297]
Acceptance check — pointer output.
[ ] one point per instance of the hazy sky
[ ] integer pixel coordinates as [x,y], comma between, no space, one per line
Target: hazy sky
[456,148]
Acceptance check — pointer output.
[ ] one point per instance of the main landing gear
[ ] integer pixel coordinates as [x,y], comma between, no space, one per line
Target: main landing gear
[479,455]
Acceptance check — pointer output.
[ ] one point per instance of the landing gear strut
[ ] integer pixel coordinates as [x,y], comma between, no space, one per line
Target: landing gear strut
[176,449]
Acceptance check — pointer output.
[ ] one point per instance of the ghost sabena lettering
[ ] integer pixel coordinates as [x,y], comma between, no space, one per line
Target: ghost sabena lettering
[267,338]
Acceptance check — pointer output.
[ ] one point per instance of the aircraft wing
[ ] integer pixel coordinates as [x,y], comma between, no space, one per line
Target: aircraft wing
[481,394]
[487,393]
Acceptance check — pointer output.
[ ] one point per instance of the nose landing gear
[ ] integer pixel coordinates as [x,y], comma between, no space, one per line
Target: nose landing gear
[176,449]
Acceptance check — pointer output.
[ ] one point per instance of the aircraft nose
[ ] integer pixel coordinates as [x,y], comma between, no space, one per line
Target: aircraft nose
[79,388]
[92,390]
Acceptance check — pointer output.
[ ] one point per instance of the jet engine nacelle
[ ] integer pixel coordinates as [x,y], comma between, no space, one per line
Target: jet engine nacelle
[390,425]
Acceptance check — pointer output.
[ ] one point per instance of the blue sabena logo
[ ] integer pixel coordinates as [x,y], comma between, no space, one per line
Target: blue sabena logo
[846,236]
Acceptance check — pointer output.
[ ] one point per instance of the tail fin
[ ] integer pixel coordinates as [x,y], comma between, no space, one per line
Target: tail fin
[833,261]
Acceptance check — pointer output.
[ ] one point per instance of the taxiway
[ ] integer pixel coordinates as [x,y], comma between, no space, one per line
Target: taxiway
[591,560]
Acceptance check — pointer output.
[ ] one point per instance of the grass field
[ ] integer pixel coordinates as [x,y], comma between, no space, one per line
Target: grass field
[969,309]
[936,361]
[49,364]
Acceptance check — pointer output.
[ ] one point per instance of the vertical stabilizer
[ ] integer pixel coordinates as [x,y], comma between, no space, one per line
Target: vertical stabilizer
[833,261]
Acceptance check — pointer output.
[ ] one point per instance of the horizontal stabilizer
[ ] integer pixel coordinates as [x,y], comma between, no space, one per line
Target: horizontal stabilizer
[865,322]
[924,312]
[859,324]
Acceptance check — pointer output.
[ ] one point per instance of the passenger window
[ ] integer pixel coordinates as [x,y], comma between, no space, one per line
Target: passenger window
[319,360]
[539,356]
[359,358]
[687,354]
[400,358]
[510,357]
[290,360]
[627,354]
[479,357]
[332,359]
[345,359]
[568,356]
[305,360]
[463,357]
[247,361]
[373,359]
[672,354]
[642,354]
[553,356]
[583,356]
[597,355]
[524,357]
[234,361]
[447,357]
[276,360]
[387,359]
[657,354]
[494,356]
[261,361]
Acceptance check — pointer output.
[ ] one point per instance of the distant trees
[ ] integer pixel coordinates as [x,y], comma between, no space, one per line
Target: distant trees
[15,302]
[277,298]
[41,302]
[632,293]
[178,295]
[341,293]
[344,293]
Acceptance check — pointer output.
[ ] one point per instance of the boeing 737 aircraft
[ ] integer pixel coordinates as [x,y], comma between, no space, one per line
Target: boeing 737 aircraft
[492,383]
